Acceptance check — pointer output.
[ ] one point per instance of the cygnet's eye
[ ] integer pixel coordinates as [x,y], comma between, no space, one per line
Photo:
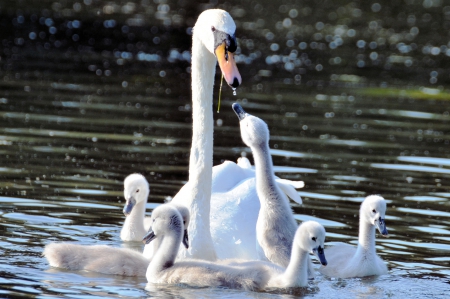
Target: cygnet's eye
[137,191]
[314,239]
[213,28]
[374,211]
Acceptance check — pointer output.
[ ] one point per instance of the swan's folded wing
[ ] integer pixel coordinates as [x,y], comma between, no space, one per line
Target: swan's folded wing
[288,187]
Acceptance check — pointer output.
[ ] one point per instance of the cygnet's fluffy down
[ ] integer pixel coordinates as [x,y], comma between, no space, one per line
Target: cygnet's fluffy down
[112,260]
[252,275]
[349,261]
[106,259]
[276,226]
[97,258]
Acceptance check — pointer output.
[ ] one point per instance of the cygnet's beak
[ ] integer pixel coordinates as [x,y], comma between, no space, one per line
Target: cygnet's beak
[149,236]
[186,239]
[241,114]
[319,252]
[228,65]
[381,226]
[129,205]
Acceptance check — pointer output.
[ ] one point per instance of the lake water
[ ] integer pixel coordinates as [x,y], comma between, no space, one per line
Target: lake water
[355,96]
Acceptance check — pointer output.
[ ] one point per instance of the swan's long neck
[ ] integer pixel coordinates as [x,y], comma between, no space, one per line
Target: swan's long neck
[366,239]
[200,162]
[296,273]
[265,181]
[134,223]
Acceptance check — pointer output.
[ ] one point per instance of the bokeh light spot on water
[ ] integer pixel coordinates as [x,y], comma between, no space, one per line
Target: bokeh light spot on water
[376,7]
[274,47]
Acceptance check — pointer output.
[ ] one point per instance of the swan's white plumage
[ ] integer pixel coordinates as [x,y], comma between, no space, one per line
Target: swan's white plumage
[203,195]
[287,186]
[234,209]
[249,275]
[196,195]
[345,260]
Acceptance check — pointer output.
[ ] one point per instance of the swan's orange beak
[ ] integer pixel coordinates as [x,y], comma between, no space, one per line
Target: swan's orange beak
[228,66]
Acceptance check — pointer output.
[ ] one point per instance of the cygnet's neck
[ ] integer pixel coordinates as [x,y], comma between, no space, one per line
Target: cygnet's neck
[134,223]
[366,239]
[296,273]
[265,181]
[165,254]
[200,162]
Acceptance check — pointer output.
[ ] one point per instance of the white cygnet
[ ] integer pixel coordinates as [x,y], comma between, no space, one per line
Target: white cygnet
[345,260]
[136,191]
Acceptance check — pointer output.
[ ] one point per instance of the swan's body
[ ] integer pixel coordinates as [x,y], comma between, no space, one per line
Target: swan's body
[287,186]
[350,261]
[136,191]
[252,275]
[234,208]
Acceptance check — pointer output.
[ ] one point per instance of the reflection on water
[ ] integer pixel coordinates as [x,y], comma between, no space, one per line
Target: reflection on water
[353,94]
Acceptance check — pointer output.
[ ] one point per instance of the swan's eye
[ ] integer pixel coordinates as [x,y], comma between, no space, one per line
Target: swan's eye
[213,28]
[231,43]
[137,191]
[226,53]
[314,239]
[374,211]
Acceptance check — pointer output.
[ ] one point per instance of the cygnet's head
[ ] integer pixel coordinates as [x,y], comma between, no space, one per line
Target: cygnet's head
[216,29]
[136,190]
[310,236]
[373,210]
[166,220]
[184,212]
[254,131]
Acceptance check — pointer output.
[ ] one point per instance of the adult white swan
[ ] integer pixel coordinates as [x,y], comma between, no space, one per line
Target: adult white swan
[248,275]
[350,261]
[223,202]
